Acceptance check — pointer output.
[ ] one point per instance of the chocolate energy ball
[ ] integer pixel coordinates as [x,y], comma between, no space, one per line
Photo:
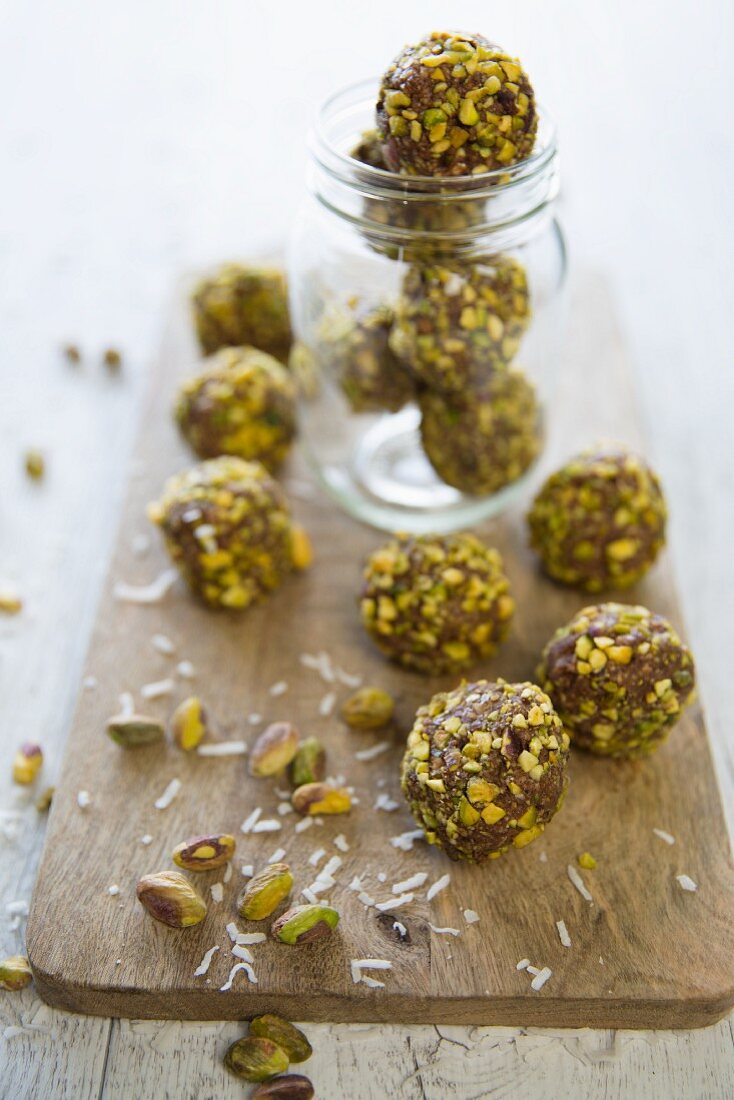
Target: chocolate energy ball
[619,677]
[486,439]
[243,305]
[485,768]
[455,105]
[599,521]
[243,403]
[227,527]
[436,604]
[356,350]
[454,325]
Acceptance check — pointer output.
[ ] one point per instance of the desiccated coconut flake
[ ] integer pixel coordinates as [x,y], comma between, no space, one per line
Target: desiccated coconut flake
[386,803]
[303,824]
[326,706]
[84,799]
[227,873]
[439,885]
[168,795]
[340,842]
[523,964]
[664,836]
[348,679]
[471,916]
[222,748]
[146,840]
[563,933]
[331,867]
[254,719]
[186,670]
[356,967]
[279,688]
[157,689]
[447,931]
[543,857]
[217,892]
[126,704]
[113,890]
[541,978]
[247,870]
[578,882]
[404,841]
[372,982]
[267,825]
[90,682]
[316,856]
[241,952]
[375,751]
[533,969]
[382,877]
[285,808]
[411,883]
[248,823]
[365,899]
[251,938]
[356,884]
[163,644]
[395,903]
[17,908]
[234,971]
[401,930]
[146,593]
[309,895]
[205,963]
[233,931]
[686,883]
[277,855]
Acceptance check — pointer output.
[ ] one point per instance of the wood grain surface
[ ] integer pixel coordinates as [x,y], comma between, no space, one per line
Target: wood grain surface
[645,953]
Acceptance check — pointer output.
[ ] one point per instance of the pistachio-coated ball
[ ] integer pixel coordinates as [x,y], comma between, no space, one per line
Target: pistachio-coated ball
[227,527]
[243,305]
[354,348]
[455,105]
[485,768]
[484,440]
[619,676]
[599,521]
[243,403]
[456,324]
[436,604]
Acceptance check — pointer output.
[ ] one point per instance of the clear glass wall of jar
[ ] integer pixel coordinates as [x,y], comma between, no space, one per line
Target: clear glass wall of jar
[428,317]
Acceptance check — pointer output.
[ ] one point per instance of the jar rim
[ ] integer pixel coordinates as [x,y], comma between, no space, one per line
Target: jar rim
[347,169]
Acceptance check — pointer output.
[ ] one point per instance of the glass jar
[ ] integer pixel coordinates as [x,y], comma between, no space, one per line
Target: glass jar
[427,314]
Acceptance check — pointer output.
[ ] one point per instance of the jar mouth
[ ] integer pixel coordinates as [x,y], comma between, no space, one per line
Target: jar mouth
[347,113]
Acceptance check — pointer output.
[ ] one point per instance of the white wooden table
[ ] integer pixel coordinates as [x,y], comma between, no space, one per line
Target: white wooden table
[139,140]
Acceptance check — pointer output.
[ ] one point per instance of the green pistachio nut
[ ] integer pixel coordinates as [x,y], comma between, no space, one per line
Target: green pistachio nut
[133,730]
[265,891]
[284,1034]
[204,853]
[15,973]
[274,749]
[170,898]
[370,708]
[291,1086]
[255,1059]
[305,923]
[309,763]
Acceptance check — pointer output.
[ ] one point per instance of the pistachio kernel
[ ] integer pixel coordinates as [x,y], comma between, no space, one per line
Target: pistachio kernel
[291,1086]
[204,853]
[309,763]
[274,749]
[170,898]
[35,465]
[369,708]
[44,800]
[255,1059]
[284,1034]
[301,547]
[27,763]
[586,860]
[189,724]
[133,730]
[304,924]
[15,973]
[321,798]
[265,891]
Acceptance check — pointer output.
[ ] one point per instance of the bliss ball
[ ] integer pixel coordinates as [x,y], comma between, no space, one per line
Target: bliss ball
[241,305]
[436,604]
[485,768]
[485,440]
[243,403]
[599,521]
[455,105]
[227,527]
[356,351]
[619,676]
[455,325]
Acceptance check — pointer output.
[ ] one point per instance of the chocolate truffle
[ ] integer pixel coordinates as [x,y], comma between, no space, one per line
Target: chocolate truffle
[485,768]
[243,403]
[599,521]
[227,527]
[484,440]
[436,604]
[455,325]
[243,305]
[619,676]
[455,105]
[355,350]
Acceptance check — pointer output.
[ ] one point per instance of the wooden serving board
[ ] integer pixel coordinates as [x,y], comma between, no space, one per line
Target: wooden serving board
[645,953]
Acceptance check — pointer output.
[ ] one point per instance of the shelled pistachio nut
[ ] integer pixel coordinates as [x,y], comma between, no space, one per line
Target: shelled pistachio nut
[170,898]
[15,973]
[369,708]
[264,892]
[255,1059]
[301,548]
[133,730]
[44,800]
[282,1032]
[305,923]
[189,724]
[274,749]
[309,763]
[321,798]
[27,763]
[204,853]
[291,1086]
